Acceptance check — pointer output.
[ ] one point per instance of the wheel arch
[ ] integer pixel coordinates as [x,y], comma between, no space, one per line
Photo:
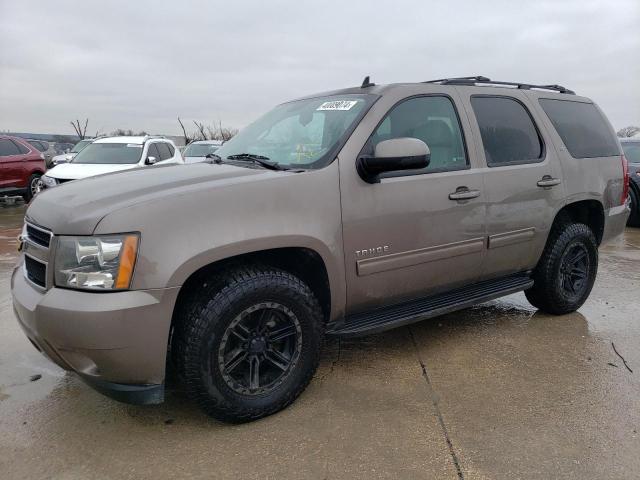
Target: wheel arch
[304,262]
[590,212]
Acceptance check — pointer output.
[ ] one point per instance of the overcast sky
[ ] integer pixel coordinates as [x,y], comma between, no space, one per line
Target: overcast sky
[140,64]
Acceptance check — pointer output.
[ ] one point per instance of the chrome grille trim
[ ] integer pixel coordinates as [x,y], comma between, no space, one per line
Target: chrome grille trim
[36,250]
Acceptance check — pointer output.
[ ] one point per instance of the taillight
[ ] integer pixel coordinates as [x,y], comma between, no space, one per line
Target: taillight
[625,180]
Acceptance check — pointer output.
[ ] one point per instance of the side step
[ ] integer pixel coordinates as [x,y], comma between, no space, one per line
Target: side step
[386,318]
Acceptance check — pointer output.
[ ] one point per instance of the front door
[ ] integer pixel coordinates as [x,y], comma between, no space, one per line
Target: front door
[415,232]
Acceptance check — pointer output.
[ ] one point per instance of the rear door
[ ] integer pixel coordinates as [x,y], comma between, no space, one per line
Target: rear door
[10,164]
[408,236]
[522,178]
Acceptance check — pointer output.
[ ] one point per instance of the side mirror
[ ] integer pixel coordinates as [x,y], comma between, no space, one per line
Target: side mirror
[150,161]
[393,155]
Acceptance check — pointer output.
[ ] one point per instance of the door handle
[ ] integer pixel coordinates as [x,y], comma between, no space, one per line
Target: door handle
[548,181]
[463,193]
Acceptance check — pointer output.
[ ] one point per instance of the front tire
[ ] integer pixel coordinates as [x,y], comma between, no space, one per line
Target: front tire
[565,274]
[247,344]
[32,187]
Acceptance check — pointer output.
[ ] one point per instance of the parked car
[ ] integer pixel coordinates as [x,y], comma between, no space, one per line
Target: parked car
[21,166]
[63,148]
[198,151]
[631,148]
[342,213]
[45,148]
[113,154]
[66,157]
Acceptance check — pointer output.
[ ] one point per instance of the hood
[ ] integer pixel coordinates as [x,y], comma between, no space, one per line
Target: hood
[75,208]
[64,157]
[191,159]
[75,171]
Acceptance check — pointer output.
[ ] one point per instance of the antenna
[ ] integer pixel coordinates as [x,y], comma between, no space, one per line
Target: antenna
[366,83]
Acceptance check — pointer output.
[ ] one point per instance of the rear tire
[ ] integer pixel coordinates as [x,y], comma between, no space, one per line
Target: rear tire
[634,218]
[565,274]
[32,187]
[248,343]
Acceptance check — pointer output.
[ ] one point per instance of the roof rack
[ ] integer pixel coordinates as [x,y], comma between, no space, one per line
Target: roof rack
[478,79]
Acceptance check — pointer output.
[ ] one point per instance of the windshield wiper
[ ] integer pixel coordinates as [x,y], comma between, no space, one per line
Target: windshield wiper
[259,159]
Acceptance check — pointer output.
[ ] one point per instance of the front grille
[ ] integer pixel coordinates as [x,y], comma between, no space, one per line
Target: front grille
[36,271]
[41,237]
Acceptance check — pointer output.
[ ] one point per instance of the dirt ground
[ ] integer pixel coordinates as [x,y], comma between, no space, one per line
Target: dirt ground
[495,391]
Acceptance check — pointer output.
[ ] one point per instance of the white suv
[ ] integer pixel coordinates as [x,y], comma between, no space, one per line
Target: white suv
[113,154]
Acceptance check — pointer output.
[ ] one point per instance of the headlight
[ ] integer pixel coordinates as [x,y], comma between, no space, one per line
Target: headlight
[96,263]
[48,181]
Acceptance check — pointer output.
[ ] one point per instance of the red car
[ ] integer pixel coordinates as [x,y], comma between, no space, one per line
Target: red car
[21,166]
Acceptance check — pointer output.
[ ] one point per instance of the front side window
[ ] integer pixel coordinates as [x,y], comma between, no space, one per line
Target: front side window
[582,128]
[301,134]
[152,151]
[433,120]
[110,153]
[508,133]
[163,149]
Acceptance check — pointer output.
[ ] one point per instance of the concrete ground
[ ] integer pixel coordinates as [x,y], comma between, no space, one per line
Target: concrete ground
[495,391]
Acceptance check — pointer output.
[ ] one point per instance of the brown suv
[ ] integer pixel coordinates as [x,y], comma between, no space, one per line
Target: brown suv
[342,213]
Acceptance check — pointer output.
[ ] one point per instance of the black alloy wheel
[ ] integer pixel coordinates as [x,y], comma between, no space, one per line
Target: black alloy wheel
[260,348]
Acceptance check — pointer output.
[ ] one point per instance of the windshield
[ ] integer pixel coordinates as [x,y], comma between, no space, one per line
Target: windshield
[631,151]
[117,153]
[80,145]
[200,150]
[301,134]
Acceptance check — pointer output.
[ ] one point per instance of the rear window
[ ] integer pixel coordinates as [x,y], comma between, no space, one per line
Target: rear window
[583,129]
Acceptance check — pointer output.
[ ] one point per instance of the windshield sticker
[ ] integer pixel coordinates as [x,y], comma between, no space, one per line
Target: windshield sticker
[134,145]
[338,105]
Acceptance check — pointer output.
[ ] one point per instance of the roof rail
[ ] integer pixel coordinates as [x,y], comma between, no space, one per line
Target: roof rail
[478,79]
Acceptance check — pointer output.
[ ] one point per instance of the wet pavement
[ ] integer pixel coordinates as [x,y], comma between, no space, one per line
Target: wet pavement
[495,391]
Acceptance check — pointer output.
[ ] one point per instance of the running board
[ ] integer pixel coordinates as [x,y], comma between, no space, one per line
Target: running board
[386,318]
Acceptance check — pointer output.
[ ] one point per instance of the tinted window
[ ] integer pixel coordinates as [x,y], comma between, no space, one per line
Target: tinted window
[631,151]
[21,148]
[172,150]
[432,120]
[153,152]
[38,145]
[7,147]
[507,130]
[583,130]
[163,148]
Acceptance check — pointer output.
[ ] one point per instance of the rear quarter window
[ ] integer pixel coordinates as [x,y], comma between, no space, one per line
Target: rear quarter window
[582,128]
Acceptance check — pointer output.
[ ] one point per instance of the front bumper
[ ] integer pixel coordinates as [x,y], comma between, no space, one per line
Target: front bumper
[116,341]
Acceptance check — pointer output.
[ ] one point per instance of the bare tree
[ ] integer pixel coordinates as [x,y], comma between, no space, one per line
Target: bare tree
[207,132]
[201,133]
[80,130]
[629,131]
[187,137]
[120,132]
